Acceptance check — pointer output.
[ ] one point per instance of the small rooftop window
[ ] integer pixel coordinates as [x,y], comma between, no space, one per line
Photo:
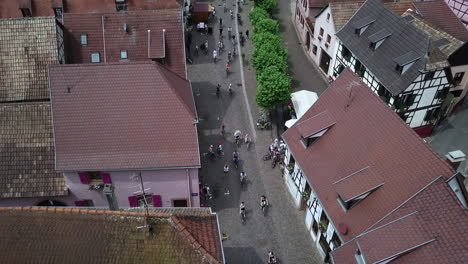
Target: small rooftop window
[123,54]
[26,12]
[378,38]
[84,39]
[95,57]
[58,12]
[405,61]
[363,24]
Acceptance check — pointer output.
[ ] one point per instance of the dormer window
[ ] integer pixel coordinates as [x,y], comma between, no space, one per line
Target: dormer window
[121,5]
[58,12]
[355,187]
[404,62]
[363,24]
[378,38]
[315,127]
[26,12]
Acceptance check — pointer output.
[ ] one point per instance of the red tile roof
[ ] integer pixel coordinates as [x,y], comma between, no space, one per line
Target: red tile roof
[10,8]
[59,235]
[439,14]
[366,134]
[432,214]
[94,128]
[165,39]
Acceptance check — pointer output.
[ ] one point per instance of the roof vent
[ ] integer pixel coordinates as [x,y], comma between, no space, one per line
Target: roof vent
[125,27]
[455,158]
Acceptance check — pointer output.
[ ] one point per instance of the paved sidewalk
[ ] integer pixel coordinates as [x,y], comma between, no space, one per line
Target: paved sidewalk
[282,229]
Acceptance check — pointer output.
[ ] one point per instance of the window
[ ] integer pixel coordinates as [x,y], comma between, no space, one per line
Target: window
[309,141]
[314,50]
[94,177]
[456,93]
[328,38]
[345,53]
[84,39]
[403,68]
[179,203]
[121,5]
[328,17]
[407,100]
[95,57]
[142,198]
[123,54]
[359,68]
[375,45]
[458,77]
[441,94]
[359,31]
[58,12]
[26,12]
[403,116]
[336,240]
[431,114]
[429,75]
[324,220]
[321,32]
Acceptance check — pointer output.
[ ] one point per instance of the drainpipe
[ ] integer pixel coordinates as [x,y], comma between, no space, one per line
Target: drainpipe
[149,42]
[189,188]
[103,38]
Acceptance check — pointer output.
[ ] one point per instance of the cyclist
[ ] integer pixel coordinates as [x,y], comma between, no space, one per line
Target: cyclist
[219,149]
[263,202]
[211,151]
[237,134]
[247,138]
[235,156]
[271,258]
[242,177]
[242,209]
[226,168]
[218,89]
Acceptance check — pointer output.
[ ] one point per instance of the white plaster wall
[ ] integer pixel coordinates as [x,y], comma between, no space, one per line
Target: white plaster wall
[329,28]
[426,97]
[464,83]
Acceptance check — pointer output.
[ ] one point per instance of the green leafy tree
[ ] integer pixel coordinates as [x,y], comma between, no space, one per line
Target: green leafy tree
[272,93]
[268,5]
[267,25]
[258,14]
[267,38]
[262,59]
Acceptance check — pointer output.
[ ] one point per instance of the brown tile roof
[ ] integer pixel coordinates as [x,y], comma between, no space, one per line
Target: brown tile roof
[438,53]
[94,128]
[366,134]
[168,45]
[59,235]
[27,46]
[439,14]
[10,8]
[432,214]
[27,152]
[343,11]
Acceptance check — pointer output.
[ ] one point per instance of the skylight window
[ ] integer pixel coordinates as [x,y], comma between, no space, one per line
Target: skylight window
[123,54]
[95,57]
[84,39]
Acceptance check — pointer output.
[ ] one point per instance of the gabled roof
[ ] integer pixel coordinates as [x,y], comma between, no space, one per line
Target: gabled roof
[405,38]
[163,41]
[27,152]
[10,8]
[27,46]
[61,235]
[442,44]
[342,11]
[95,129]
[439,14]
[428,228]
[366,134]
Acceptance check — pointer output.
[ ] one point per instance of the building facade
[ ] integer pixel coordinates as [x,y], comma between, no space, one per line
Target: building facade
[350,161]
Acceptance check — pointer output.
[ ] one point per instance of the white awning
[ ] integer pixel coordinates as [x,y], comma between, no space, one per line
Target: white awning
[290,122]
[302,101]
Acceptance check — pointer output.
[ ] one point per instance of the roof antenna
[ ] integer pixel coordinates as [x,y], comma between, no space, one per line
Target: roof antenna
[349,87]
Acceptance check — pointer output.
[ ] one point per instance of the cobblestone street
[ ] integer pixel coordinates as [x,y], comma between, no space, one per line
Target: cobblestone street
[282,230]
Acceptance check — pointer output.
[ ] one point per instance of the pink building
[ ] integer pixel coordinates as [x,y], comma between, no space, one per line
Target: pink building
[120,126]
[460,8]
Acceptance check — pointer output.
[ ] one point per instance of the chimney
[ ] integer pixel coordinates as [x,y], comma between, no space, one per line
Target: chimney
[455,158]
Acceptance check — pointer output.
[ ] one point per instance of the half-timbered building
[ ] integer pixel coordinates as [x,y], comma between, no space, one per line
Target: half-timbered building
[397,58]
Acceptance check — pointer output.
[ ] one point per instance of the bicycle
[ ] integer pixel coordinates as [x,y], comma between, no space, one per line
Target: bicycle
[267,156]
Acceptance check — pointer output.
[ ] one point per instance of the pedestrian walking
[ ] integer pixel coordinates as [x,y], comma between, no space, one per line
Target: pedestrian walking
[233,40]
[226,168]
[220,32]
[220,21]
[196,50]
[206,47]
[229,32]
[247,33]
[215,55]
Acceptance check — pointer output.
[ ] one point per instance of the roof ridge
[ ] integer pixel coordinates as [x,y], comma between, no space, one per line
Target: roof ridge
[192,240]
[176,91]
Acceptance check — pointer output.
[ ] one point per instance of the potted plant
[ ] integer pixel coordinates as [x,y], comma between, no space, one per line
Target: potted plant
[322,227]
[305,195]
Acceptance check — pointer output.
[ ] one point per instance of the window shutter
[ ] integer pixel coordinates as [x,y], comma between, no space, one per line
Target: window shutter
[133,200]
[157,201]
[80,203]
[83,178]
[106,179]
